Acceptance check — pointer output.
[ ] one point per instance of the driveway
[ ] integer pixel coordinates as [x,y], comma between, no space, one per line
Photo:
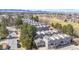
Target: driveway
[12,43]
[11,39]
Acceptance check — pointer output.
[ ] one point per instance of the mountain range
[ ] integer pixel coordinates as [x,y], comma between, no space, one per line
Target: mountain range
[42,11]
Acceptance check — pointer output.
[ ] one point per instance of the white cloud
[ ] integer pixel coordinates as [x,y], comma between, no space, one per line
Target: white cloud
[39,4]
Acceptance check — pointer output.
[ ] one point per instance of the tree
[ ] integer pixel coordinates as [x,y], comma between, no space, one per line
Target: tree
[24,28]
[0,47]
[32,17]
[18,21]
[52,25]
[70,29]
[3,31]
[28,33]
[26,41]
[64,28]
[9,21]
[4,21]
[23,36]
[58,26]
[65,20]
[31,30]
[35,18]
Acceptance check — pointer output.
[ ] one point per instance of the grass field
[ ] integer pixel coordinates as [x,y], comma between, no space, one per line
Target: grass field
[75,25]
[55,20]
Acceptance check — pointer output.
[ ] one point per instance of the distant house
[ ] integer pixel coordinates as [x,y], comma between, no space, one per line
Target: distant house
[53,41]
[58,40]
[46,32]
[47,37]
[39,42]
[12,32]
